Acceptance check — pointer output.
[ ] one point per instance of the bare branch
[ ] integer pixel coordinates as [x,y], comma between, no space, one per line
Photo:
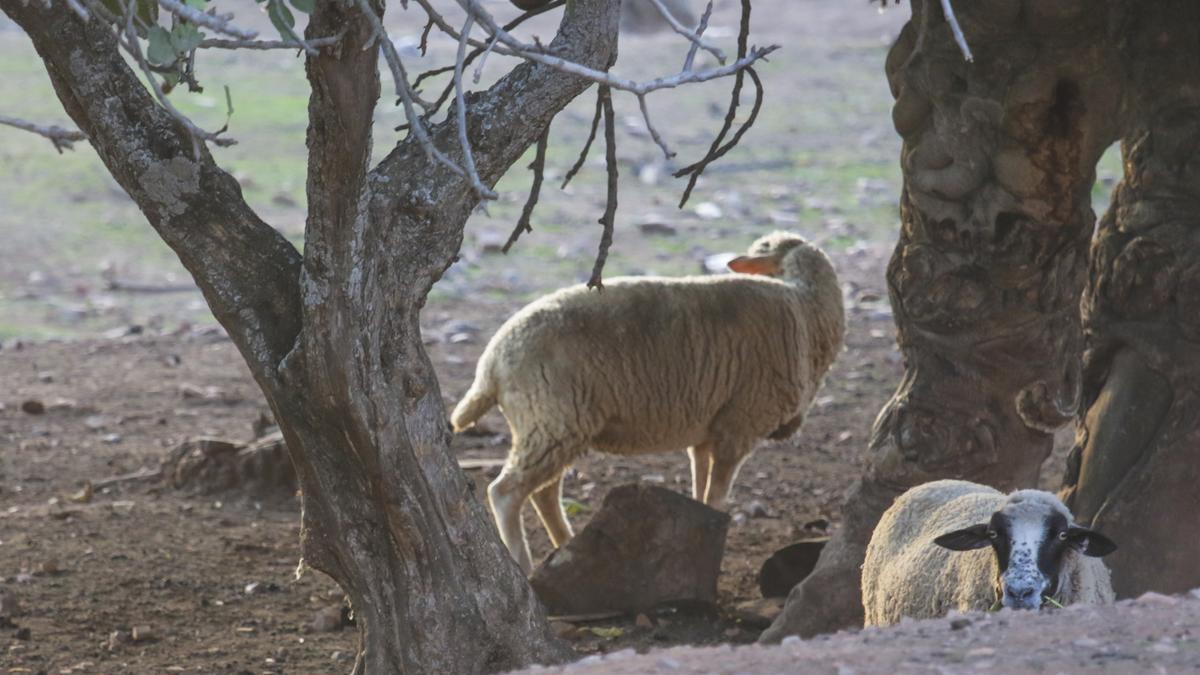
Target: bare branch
[81,11]
[483,60]
[60,137]
[316,43]
[692,36]
[461,110]
[700,28]
[586,146]
[219,24]
[538,167]
[610,208]
[654,132]
[958,34]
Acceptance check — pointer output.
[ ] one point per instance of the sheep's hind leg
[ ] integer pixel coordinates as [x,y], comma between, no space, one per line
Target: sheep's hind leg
[547,501]
[506,496]
[702,460]
[726,463]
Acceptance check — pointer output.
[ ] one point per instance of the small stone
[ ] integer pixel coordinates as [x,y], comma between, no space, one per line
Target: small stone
[959,624]
[252,588]
[23,633]
[95,422]
[48,567]
[756,509]
[739,519]
[45,377]
[190,391]
[981,651]
[9,605]
[643,621]
[790,640]
[33,407]
[1157,599]
[656,478]
[327,620]
[668,663]
[111,439]
[732,632]
[564,630]
[460,338]
[116,639]
[1163,648]
[654,228]
[84,495]
[818,524]
[708,211]
[142,634]
[340,656]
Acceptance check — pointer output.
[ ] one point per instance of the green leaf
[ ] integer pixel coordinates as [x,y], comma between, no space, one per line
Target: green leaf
[306,6]
[282,17]
[185,37]
[200,5]
[147,10]
[160,51]
[607,633]
[572,507]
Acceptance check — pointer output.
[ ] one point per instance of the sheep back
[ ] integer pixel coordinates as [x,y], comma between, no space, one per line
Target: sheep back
[906,574]
[653,364]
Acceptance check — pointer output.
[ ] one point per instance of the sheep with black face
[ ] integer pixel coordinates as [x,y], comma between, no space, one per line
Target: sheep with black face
[929,554]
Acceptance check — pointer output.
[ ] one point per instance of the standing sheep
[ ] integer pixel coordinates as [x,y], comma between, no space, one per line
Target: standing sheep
[654,364]
[913,566]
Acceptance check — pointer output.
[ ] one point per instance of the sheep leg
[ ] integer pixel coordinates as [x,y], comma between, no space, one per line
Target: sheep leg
[506,496]
[702,461]
[725,469]
[547,501]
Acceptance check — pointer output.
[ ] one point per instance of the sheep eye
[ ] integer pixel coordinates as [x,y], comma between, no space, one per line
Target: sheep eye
[1062,535]
[992,534]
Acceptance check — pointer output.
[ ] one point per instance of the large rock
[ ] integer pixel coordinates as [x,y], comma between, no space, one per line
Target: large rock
[644,547]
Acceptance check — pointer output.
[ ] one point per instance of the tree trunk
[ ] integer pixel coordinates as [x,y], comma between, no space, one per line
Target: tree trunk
[998,158]
[1133,473]
[333,339]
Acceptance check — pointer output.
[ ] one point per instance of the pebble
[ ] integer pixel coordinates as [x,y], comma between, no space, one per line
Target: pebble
[669,663]
[23,633]
[708,211]
[142,633]
[9,604]
[33,407]
[656,228]
[327,620]
[756,509]
[1157,598]
[643,621]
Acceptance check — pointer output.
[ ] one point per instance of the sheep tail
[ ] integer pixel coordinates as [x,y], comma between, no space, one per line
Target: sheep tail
[479,399]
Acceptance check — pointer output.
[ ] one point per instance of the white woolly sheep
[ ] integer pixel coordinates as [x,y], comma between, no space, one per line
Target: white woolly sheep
[1038,555]
[654,364]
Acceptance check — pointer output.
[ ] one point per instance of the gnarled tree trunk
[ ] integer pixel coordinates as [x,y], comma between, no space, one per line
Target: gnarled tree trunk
[1133,472]
[998,158]
[333,338]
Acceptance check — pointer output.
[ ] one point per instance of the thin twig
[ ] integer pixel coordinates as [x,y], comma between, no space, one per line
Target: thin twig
[407,96]
[610,207]
[295,37]
[219,43]
[958,34]
[692,36]
[588,145]
[538,167]
[219,24]
[483,59]
[63,139]
[197,134]
[79,10]
[700,28]
[654,132]
[461,110]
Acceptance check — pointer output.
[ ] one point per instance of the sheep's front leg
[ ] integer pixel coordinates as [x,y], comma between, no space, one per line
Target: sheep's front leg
[702,459]
[547,501]
[506,496]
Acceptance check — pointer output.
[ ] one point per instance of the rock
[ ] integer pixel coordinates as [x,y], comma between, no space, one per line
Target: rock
[643,621]
[95,422]
[46,568]
[758,614]
[1150,597]
[789,566]
[116,639]
[491,242]
[111,439]
[564,630]
[33,407]
[460,338]
[756,509]
[143,633]
[45,377]
[646,545]
[10,606]
[818,524]
[654,228]
[327,620]
[23,633]
[717,263]
[959,623]
[708,211]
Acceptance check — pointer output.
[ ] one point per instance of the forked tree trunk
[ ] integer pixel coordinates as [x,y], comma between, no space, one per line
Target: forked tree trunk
[998,159]
[1134,472]
[333,339]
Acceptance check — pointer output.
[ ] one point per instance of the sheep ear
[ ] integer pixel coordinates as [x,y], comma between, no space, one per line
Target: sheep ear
[767,265]
[965,539]
[1090,543]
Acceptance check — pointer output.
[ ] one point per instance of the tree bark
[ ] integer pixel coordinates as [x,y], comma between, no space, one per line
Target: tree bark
[998,158]
[1133,473]
[334,339]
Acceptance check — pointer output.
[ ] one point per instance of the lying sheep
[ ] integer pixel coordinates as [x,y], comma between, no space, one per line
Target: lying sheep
[655,364]
[1038,555]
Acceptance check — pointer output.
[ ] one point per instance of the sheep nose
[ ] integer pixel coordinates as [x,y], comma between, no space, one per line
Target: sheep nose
[1021,598]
